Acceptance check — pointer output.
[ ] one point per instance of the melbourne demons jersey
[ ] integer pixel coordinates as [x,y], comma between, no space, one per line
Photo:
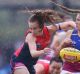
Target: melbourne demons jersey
[42,41]
[23,54]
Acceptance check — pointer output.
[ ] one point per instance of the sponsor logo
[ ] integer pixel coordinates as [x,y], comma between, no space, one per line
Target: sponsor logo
[69,57]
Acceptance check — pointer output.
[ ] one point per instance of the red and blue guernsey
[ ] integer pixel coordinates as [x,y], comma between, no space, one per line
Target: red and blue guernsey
[42,41]
[75,66]
[23,54]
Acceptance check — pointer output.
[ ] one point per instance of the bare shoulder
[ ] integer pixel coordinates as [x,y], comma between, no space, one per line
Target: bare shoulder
[52,28]
[29,37]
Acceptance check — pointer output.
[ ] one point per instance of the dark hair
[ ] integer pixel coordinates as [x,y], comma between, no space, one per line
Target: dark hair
[45,16]
[39,18]
[57,59]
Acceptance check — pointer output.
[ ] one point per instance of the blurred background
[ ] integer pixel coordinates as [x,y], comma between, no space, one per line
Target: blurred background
[13,24]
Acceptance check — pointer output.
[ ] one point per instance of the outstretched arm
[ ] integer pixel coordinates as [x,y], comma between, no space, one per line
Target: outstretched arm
[67,25]
[62,26]
[33,48]
[61,40]
[67,41]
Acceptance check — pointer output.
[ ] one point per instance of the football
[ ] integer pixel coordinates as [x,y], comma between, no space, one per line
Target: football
[70,54]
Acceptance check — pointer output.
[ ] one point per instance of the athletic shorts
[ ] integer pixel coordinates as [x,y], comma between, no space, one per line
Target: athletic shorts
[19,65]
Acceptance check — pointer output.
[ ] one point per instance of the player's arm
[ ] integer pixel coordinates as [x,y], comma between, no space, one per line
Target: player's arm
[55,42]
[68,25]
[32,46]
[67,41]
[62,26]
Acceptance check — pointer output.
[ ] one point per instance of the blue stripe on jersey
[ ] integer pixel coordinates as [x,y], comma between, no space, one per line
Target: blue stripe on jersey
[75,39]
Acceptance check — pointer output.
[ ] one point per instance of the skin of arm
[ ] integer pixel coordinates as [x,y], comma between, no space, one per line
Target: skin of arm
[64,26]
[55,42]
[52,28]
[68,25]
[67,41]
[56,45]
[32,46]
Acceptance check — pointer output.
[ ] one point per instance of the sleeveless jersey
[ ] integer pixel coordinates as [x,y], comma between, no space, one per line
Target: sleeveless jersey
[43,40]
[23,54]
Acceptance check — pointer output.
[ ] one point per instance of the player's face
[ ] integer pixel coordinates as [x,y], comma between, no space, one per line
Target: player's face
[34,26]
[55,68]
[78,21]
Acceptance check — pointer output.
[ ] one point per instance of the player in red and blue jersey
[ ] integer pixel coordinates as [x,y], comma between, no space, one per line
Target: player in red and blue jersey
[37,39]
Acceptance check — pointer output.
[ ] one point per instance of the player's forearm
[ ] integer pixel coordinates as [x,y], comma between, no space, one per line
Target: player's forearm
[37,53]
[67,25]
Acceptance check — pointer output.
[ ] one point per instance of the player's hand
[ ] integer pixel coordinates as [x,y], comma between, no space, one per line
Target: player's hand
[46,50]
[67,42]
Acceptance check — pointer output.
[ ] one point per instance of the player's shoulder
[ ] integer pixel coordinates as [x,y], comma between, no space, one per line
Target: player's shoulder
[30,37]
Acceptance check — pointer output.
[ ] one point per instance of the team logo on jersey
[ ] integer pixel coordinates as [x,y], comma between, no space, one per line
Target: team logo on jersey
[38,45]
